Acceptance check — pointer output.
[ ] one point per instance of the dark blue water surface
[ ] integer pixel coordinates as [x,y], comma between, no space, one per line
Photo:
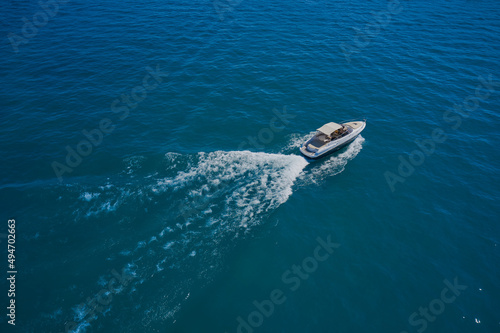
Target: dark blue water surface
[150,159]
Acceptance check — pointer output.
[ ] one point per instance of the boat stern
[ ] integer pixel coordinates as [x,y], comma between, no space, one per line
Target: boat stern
[307,153]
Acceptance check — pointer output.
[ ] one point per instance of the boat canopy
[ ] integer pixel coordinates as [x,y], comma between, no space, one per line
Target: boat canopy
[329,128]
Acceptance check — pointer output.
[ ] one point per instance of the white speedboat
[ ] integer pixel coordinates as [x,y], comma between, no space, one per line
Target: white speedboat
[331,137]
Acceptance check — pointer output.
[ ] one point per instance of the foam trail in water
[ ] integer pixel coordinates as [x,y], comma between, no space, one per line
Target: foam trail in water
[333,164]
[212,199]
[295,141]
[329,165]
[218,196]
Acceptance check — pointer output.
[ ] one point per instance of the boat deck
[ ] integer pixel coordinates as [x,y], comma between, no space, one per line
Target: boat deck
[355,124]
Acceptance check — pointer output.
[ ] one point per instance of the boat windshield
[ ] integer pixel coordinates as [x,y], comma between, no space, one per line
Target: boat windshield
[344,131]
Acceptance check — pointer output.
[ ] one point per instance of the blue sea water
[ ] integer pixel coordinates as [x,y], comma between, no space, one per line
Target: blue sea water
[150,160]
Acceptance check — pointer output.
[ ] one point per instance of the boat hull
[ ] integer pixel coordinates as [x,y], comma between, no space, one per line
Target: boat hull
[331,148]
